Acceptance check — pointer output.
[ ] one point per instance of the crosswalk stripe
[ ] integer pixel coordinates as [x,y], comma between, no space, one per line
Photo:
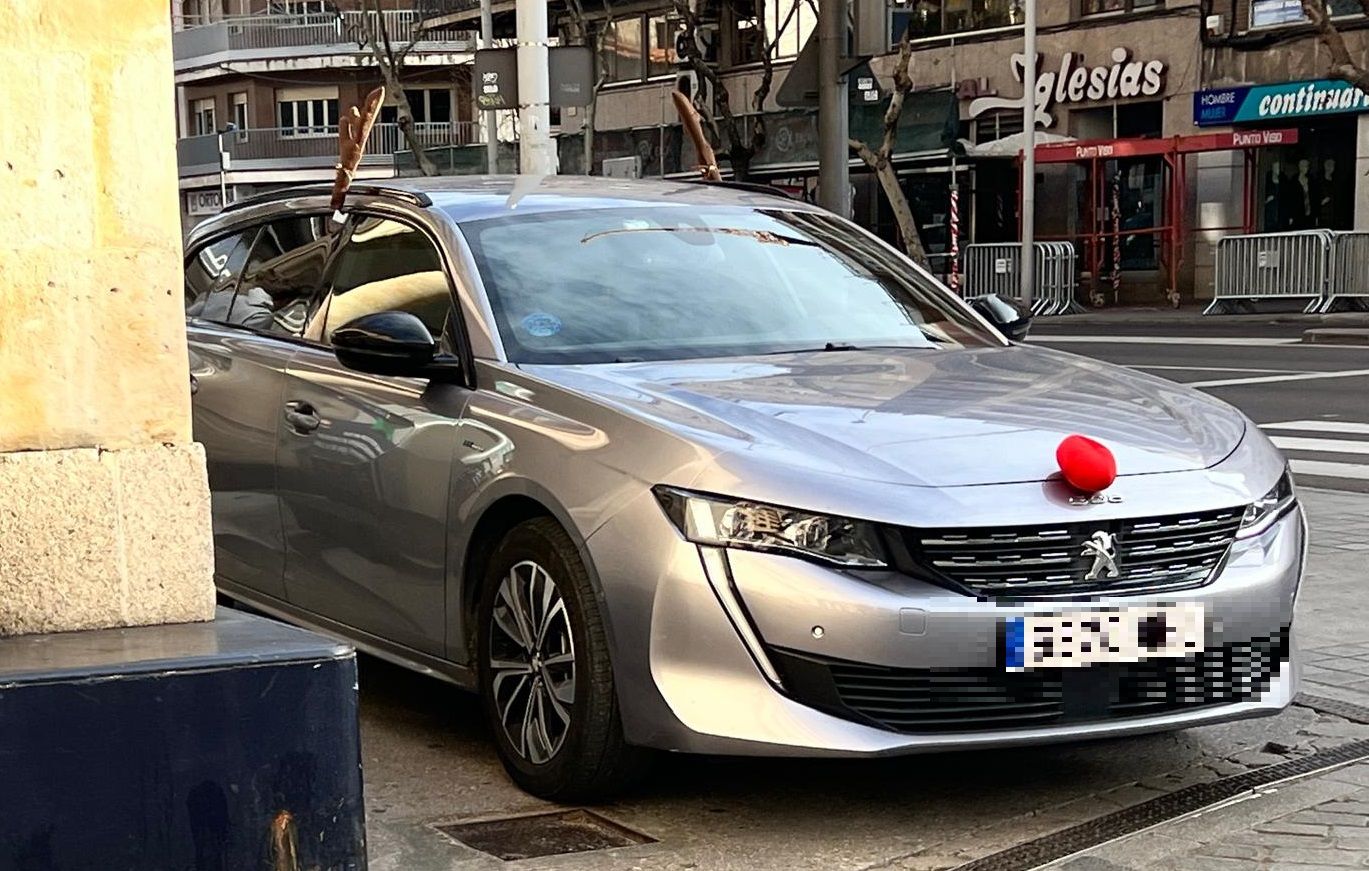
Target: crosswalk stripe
[1340,426]
[1330,446]
[1270,379]
[1326,469]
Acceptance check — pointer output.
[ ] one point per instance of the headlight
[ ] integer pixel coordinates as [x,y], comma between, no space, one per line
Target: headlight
[1262,513]
[712,520]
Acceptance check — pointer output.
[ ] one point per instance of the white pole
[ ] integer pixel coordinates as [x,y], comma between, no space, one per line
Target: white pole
[535,148]
[491,119]
[1029,154]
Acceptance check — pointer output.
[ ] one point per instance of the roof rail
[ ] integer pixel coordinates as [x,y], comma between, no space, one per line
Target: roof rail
[417,198]
[753,187]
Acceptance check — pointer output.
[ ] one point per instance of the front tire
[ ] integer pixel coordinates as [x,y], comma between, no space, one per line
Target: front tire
[545,678]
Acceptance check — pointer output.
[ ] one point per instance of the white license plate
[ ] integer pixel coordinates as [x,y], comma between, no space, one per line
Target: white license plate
[1078,638]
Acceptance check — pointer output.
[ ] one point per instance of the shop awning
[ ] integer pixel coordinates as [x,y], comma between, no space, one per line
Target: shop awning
[1007,147]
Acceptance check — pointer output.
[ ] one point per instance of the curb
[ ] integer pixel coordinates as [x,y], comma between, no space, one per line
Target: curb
[1337,336]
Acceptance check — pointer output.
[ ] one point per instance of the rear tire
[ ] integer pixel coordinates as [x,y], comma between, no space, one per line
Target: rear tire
[546,681]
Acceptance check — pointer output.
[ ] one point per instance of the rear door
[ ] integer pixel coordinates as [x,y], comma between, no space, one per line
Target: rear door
[245,295]
[364,461]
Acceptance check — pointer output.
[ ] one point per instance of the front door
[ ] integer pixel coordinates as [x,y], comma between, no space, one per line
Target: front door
[364,461]
[242,304]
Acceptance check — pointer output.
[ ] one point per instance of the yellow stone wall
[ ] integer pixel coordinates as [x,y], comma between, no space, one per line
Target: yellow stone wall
[90,307]
[103,497]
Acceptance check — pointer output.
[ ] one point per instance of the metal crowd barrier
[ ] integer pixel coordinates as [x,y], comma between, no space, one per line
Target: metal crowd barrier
[1349,273]
[994,268]
[1262,266]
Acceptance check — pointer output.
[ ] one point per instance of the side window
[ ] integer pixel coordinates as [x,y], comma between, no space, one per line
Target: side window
[211,276]
[282,275]
[387,266]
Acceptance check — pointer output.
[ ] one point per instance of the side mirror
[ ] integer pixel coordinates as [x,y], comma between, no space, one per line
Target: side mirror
[1009,317]
[388,343]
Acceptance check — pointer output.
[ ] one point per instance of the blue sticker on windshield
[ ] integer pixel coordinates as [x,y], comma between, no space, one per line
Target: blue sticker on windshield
[541,325]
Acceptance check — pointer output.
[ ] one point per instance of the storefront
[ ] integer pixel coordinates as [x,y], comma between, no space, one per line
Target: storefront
[1307,184]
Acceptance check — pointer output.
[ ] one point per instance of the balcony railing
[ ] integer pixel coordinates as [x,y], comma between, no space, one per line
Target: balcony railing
[270,33]
[288,147]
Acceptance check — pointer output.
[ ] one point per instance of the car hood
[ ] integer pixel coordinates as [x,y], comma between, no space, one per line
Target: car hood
[919,417]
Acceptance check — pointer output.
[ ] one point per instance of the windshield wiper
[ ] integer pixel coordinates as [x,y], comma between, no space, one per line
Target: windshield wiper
[763,236]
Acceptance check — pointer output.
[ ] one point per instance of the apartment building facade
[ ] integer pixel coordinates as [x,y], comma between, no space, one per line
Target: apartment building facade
[1137,170]
[260,85]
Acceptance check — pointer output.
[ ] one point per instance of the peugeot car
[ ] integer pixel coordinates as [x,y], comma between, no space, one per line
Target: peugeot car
[692,467]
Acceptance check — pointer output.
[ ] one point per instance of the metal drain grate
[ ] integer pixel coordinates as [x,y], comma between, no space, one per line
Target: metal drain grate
[553,834]
[1128,821]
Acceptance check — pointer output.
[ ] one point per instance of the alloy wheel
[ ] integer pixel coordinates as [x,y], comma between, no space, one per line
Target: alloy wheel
[532,662]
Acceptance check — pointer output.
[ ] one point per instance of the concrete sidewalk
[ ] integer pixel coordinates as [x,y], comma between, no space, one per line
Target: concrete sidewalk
[1317,821]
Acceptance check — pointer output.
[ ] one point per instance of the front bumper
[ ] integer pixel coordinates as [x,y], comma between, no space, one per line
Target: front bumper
[705,642]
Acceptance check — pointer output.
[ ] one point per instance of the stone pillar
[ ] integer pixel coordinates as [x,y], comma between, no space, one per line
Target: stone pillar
[104,503]
[1362,173]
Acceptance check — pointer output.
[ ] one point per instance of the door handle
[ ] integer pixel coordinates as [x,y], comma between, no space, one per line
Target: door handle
[302,417]
[194,384]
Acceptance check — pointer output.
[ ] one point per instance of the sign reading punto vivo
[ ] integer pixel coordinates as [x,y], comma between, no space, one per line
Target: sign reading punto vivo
[1277,102]
[1076,82]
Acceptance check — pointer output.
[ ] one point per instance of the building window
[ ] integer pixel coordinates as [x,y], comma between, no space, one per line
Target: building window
[635,48]
[238,104]
[299,7]
[621,49]
[789,23]
[1274,13]
[202,117]
[925,18]
[428,105]
[307,111]
[1106,7]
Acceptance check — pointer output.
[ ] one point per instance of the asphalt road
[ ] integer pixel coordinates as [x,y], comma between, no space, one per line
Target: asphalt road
[1312,400]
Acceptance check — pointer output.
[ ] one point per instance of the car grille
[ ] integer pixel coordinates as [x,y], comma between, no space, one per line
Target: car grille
[931,700]
[1152,554]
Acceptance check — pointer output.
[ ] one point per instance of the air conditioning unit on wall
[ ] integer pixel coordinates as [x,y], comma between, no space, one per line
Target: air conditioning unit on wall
[623,167]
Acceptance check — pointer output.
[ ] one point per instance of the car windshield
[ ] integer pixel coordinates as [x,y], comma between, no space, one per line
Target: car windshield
[670,282]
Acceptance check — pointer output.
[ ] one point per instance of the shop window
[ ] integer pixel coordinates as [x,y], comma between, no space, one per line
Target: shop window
[1108,7]
[941,17]
[1310,185]
[995,125]
[1119,121]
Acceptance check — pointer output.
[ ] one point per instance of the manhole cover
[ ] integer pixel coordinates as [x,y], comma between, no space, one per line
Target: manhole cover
[529,837]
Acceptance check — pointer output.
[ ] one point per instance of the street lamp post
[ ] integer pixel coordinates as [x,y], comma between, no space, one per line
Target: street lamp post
[223,166]
[1028,261]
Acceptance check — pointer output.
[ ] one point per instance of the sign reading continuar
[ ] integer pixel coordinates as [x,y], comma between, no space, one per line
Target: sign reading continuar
[1245,103]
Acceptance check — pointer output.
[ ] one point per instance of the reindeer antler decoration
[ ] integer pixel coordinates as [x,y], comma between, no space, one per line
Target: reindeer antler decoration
[689,117]
[353,129]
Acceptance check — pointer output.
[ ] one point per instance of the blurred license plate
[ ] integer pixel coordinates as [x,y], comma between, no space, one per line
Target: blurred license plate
[1078,638]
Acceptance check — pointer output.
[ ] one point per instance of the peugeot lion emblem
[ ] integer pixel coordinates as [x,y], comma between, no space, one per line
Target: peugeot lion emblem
[1103,549]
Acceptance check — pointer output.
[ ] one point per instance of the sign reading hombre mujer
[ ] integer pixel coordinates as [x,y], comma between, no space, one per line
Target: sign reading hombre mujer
[1251,103]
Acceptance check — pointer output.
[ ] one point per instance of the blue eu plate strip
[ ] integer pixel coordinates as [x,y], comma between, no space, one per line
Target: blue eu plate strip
[1014,636]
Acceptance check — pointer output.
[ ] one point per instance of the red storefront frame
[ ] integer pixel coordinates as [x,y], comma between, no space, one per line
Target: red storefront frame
[1171,227]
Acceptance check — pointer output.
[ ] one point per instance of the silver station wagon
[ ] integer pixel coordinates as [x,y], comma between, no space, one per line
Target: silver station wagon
[699,468]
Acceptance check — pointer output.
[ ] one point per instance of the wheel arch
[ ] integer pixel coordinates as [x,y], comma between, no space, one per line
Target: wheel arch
[503,507]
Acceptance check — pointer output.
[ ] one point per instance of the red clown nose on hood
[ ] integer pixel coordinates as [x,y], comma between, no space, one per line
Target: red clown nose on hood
[1086,464]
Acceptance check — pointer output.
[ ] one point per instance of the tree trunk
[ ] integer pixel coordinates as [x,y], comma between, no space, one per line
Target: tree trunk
[903,213]
[405,115]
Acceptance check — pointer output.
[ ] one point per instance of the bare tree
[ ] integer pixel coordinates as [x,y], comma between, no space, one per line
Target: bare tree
[880,160]
[1343,66]
[726,129]
[372,32]
[583,31]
